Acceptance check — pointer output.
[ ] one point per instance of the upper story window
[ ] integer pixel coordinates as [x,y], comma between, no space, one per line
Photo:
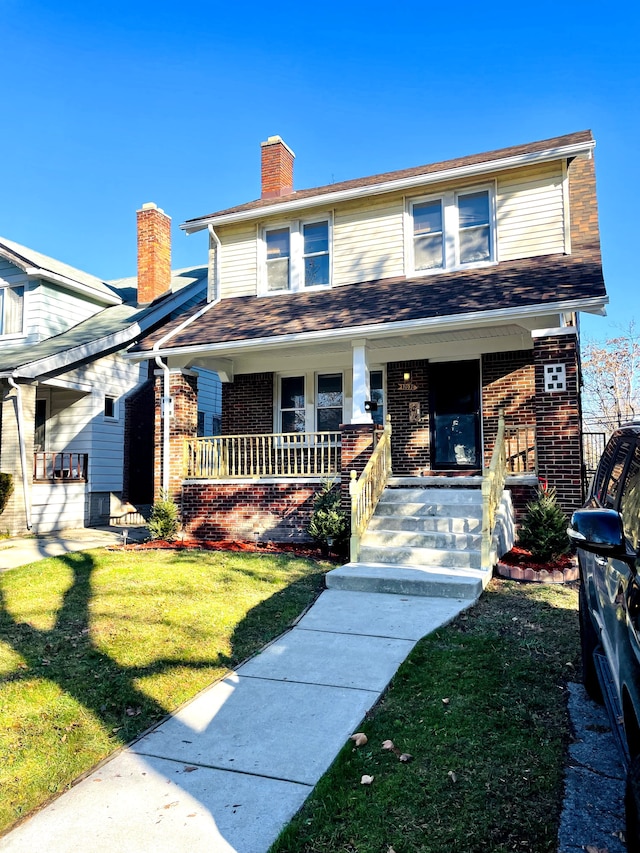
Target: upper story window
[296,256]
[11,310]
[278,244]
[455,229]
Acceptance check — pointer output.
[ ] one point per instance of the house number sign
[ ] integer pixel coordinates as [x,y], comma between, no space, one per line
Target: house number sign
[407,386]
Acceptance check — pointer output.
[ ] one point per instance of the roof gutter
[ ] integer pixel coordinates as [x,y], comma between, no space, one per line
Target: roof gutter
[393,185]
[382,330]
[23,451]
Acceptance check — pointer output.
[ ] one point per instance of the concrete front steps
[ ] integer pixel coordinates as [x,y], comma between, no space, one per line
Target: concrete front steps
[422,540]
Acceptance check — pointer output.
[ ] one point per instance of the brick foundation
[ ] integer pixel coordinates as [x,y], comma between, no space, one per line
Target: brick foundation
[279,512]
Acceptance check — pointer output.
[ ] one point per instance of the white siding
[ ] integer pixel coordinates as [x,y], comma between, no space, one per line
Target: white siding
[530,212]
[77,422]
[239,272]
[55,506]
[368,241]
[209,399]
[57,310]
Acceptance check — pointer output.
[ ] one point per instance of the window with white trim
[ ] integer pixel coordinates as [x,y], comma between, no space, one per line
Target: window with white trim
[11,310]
[110,410]
[451,230]
[300,410]
[296,256]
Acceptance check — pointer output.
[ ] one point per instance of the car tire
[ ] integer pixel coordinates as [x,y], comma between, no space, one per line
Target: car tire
[588,645]
[632,807]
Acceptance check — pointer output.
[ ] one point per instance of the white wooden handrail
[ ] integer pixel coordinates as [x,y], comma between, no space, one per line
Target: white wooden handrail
[493,480]
[365,492]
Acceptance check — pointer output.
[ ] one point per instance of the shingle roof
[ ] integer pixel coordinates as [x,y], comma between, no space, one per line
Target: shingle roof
[31,258]
[547,281]
[583,136]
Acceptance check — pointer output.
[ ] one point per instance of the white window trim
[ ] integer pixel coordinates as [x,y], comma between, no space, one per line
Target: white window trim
[11,336]
[310,395]
[451,231]
[296,256]
[116,409]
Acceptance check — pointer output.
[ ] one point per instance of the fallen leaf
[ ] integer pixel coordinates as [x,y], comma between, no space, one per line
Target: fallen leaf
[388,744]
[452,776]
[366,780]
[446,701]
[406,757]
[189,769]
[591,848]
[391,850]
[133,712]
[359,738]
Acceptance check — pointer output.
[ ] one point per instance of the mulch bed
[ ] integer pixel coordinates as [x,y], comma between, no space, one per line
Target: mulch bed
[518,564]
[298,550]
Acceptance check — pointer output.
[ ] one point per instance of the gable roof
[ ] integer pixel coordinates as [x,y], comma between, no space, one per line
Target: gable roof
[111,329]
[532,285]
[37,265]
[570,145]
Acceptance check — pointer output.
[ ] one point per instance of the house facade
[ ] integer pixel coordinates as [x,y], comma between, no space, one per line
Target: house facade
[76,417]
[434,298]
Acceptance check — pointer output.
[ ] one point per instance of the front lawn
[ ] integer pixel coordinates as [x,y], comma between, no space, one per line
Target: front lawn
[481,707]
[97,646]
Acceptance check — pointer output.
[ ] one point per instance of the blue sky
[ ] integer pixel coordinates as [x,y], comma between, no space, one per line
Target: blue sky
[113,104]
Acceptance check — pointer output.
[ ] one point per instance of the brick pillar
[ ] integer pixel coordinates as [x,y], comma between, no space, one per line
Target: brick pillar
[557,410]
[13,520]
[183,388]
[356,449]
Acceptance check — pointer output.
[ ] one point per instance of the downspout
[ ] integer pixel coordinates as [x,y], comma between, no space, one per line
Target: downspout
[23,451]
[167,407]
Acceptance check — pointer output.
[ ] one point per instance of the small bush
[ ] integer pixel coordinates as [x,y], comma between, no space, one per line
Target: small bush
[6,490]
[329,521]
[164,522]
[544,528]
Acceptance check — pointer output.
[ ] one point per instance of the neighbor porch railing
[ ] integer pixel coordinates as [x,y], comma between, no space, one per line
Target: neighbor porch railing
[520,449]
[48,466]
[493,480]
[289,454]
[365,492]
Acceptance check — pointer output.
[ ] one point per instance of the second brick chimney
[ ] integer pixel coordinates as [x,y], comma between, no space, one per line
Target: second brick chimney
[277,168]
[154,253]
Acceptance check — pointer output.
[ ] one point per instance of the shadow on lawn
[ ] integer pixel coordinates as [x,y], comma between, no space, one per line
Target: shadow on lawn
[66,655]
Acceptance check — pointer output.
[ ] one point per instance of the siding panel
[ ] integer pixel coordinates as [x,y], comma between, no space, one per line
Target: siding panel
[239,270]
[530,212]
[368,241]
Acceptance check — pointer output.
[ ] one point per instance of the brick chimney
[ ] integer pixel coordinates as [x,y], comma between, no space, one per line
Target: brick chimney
[154,253]
[277,168]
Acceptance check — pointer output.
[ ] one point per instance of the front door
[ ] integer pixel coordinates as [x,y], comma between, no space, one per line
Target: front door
[454,395]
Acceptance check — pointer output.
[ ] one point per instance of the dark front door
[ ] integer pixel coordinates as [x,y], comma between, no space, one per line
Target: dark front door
[454,394]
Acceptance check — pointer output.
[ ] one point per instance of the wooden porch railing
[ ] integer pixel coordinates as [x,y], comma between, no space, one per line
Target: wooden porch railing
[50,467]
[289,454]
[493,480]
[365,492]
[520,449]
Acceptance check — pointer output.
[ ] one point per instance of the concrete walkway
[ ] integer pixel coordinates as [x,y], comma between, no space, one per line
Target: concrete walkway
[22,550]
[230,769]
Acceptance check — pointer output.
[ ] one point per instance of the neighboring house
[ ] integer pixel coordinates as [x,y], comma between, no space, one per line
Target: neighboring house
[76,418]
[437,295]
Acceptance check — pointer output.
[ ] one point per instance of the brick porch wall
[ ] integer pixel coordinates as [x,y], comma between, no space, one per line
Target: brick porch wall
[279,512]
[247,404]
[508,382]
[410,441]
[183,387]
[356,447]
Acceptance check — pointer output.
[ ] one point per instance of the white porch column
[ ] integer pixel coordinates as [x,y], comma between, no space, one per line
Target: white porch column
[361,384]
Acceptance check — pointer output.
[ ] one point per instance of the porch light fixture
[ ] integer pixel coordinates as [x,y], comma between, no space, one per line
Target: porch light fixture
[406,376]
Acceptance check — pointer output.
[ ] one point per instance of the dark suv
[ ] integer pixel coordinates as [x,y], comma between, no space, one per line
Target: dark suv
[606,533]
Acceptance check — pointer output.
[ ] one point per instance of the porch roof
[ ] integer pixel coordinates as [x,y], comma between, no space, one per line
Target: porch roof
[552,283]
[111,329]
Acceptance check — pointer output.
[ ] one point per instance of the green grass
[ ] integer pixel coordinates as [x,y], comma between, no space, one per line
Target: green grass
[97,646]
[481,706]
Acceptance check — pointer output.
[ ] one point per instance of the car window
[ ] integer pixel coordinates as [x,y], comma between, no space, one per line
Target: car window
[630,501]
[603,468]
[610,489]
